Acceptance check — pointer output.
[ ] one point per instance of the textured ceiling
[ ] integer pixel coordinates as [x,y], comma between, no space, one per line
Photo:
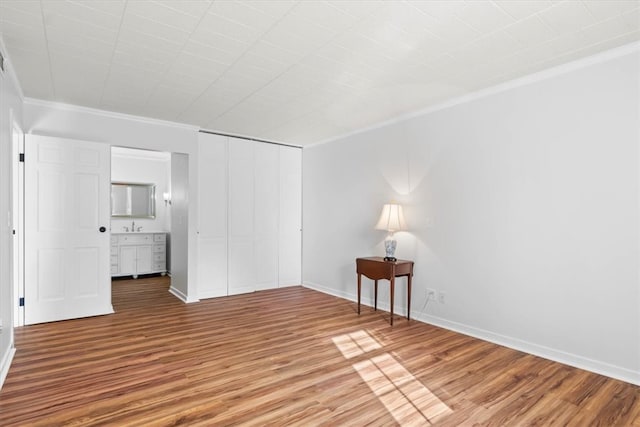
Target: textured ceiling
[294,71]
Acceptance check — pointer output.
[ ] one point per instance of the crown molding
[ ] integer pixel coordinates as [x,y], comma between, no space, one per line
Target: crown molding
[109,114]
[528,79]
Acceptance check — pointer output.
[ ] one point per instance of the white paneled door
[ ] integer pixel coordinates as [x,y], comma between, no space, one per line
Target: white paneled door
[67,238]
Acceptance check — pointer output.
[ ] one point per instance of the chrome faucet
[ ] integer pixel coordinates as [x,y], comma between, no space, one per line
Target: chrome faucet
[133,226]
[126,229]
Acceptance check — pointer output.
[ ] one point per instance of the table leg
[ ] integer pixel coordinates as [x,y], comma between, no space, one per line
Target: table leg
[393,291]
[359,290]
[408,296]
[375,296]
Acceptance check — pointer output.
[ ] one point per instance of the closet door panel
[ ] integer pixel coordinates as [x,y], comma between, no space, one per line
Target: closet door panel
[212,217]
[241,263]
[290,217]
[241,267]
[212,273]
[266,205]
[266,266]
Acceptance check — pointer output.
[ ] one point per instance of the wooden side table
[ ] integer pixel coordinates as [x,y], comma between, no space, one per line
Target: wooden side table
[376,268]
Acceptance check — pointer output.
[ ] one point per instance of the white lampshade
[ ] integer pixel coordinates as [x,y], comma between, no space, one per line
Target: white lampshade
[391,218]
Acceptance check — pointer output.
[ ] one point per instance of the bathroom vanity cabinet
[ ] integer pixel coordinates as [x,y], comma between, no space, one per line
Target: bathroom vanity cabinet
[133,254]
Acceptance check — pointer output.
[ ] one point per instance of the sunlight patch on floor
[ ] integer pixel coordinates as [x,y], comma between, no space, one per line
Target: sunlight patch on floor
[355,344]
[404,396]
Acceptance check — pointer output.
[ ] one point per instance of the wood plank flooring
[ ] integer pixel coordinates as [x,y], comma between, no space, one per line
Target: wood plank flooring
[289,356]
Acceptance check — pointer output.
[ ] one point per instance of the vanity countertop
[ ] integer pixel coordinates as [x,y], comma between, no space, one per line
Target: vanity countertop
[139,232]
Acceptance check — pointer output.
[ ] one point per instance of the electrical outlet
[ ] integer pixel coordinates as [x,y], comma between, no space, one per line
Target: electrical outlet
[431,294]
[441,297]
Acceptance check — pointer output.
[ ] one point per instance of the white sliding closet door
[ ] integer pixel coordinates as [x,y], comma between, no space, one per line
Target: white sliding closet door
[250,216]
[212,218]
[241,262]
[266,206]
[290,227]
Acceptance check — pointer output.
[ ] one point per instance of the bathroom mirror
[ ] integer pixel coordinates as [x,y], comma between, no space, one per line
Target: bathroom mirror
[133,200]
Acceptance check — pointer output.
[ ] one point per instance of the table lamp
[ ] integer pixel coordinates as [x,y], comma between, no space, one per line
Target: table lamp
[392,220]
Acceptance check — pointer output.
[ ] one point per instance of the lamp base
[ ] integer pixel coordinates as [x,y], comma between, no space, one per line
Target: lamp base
[389,249]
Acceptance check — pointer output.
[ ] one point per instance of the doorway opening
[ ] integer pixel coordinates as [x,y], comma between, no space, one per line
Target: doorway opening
[141,231]
[145,291]
[72,262]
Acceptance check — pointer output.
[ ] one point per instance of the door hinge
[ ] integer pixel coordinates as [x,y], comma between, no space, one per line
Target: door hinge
[21,157]
[21,302]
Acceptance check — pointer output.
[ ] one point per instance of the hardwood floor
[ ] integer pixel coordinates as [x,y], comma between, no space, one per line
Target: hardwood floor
[289,356]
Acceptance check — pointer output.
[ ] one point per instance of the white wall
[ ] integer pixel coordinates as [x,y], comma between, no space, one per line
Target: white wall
[124,131]
[10,110]
[143,166]
[523,208]
[180,245]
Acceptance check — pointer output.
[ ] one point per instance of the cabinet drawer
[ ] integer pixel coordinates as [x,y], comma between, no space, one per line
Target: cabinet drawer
[159,266]
[114,269]
[114,250]
[134,239]
[158,248]
[159,257]
[114,259]
[114,240]
[160,238]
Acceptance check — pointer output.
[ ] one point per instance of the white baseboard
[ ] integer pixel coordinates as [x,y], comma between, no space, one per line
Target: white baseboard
[289,284]
[559,356]
[5,364]
[181,296]
[217,293]
[383,305]
[239,290]
[211,294]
